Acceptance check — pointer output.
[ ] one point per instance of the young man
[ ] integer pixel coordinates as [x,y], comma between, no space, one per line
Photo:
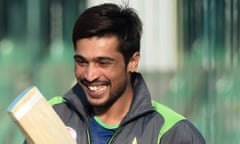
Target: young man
[111,103]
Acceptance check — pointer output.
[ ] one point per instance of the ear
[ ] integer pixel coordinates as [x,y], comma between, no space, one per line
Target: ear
[133,62]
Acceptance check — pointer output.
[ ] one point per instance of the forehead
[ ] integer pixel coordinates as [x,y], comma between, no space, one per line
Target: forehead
[108,43]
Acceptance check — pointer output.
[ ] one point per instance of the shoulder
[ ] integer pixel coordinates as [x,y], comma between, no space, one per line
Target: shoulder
[61,107]
[183,132]
[170,117]
[176,128]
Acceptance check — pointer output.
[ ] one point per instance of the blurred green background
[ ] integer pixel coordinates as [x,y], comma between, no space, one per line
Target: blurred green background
[36,49]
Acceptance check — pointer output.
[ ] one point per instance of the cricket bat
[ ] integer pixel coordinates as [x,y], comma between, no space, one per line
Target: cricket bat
[37,120]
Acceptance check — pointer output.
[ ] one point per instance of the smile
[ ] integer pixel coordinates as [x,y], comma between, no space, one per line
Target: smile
[97,88]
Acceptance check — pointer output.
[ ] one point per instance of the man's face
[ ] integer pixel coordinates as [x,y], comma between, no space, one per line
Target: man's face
[100,70]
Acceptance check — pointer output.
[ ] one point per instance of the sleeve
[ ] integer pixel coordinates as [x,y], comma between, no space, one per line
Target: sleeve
[184,132]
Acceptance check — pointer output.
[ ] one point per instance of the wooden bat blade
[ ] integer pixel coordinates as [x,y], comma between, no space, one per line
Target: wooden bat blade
[37,120]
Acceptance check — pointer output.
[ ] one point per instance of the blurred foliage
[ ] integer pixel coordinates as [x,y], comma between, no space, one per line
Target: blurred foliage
[53,76]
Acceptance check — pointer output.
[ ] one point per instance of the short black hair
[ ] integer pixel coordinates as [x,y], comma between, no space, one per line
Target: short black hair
[111,19]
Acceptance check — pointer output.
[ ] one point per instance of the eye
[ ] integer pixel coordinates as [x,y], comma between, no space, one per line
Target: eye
[80,60]
[104,63]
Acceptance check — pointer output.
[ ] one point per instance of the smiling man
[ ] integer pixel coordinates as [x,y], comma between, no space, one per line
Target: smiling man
[104,77]
[111,104]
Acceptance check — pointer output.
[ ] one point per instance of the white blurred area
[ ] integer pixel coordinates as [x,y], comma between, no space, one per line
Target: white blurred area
[159,41]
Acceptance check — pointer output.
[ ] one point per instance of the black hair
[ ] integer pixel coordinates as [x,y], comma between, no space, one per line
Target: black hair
[111,19]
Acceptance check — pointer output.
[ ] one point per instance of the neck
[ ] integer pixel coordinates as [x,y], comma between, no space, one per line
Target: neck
[114,114]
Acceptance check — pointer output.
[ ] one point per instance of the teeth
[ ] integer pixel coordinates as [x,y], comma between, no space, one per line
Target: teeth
[97,88]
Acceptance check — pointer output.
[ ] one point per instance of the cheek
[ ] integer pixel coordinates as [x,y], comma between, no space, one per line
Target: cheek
[117,77]
[78,72]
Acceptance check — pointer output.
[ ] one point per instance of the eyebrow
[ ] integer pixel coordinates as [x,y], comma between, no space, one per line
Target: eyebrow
[104,58]
[79,57]
[96,59]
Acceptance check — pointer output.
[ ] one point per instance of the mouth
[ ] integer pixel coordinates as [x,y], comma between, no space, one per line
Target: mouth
[95,89]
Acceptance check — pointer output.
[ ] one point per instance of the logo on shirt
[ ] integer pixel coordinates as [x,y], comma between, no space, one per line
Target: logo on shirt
[72,132]
[134,140]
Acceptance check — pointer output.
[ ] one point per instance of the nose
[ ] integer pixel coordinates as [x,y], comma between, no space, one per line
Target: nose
[91,72]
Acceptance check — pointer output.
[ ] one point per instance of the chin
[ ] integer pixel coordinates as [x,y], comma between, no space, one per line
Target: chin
[100,104]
